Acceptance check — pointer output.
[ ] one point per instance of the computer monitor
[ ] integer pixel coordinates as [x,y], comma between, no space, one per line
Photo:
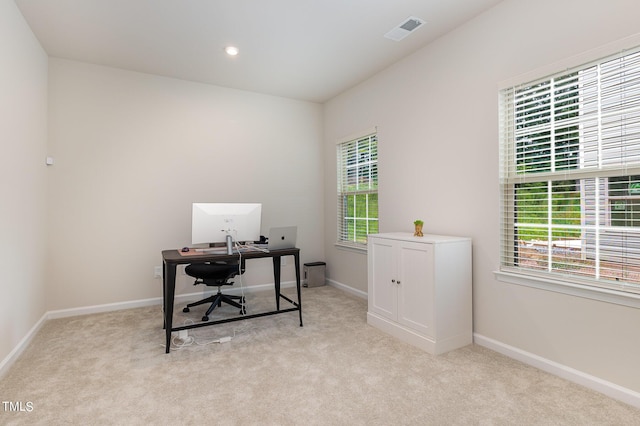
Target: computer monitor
[212,222]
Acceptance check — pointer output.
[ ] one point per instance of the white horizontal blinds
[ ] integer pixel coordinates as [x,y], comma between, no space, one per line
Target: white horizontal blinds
[571,174]
[357,189]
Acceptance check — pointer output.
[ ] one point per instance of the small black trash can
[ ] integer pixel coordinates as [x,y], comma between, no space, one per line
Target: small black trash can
[314,274]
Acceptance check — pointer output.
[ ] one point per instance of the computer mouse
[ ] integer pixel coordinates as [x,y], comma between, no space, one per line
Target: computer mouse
[185,249]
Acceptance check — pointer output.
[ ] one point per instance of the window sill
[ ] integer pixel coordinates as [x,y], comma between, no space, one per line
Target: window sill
[574,289]
[356,248]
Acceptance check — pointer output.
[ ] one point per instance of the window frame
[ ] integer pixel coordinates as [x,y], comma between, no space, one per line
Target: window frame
[369,187]
[567,284]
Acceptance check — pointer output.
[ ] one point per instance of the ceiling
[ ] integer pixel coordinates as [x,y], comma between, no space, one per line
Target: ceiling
[303,49]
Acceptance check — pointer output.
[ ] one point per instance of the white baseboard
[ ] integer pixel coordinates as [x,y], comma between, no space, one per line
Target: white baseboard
[612,390]
[11,358]
[108,307]
[346,288]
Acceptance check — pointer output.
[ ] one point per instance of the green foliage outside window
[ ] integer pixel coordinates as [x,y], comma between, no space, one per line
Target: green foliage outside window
[532,207]
[361,216]
[358,189]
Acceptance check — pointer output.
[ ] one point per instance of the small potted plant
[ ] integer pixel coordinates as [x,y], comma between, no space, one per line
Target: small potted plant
[418,225]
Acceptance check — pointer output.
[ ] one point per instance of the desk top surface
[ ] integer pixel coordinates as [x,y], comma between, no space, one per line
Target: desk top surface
[175,256]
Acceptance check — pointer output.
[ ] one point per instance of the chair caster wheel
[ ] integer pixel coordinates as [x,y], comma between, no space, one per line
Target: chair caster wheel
[185,310]
[205,318]
[243,311]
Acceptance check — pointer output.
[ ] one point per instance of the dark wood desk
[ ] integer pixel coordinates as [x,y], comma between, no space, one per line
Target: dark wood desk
[172,258]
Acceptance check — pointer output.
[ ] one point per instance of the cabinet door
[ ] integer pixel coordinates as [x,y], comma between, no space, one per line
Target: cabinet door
[416,287]
[382,278]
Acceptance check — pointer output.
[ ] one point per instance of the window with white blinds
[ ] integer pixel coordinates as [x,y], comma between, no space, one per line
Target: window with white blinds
[357,190]
[570,175]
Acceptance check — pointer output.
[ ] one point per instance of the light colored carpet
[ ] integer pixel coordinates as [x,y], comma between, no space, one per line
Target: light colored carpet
[110,368]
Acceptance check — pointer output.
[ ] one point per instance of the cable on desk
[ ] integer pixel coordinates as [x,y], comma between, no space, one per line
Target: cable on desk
[239,248]
[243,310]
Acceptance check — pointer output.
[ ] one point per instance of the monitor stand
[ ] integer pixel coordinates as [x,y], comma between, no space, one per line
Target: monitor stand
[229,244]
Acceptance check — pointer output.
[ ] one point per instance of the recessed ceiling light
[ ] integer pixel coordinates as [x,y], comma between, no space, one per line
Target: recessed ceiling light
[231,50]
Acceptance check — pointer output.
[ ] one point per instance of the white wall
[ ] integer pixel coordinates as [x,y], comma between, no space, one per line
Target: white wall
[23,136]
[133,151]
[437,118]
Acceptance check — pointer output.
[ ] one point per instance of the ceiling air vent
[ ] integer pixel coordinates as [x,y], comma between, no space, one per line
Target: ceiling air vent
[405,28]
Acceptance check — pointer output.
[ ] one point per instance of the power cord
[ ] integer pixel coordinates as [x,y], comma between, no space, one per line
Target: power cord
[181,342]
[239,248]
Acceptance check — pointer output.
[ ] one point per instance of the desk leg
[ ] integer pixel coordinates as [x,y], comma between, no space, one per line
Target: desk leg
[168,293]
[276,279]
[297,264]
[164,293]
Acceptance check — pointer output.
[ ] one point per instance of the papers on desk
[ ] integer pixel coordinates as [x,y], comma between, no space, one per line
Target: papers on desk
[213,250]
[204,251]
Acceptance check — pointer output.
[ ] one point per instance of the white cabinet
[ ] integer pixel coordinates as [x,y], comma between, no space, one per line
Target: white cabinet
[420,289]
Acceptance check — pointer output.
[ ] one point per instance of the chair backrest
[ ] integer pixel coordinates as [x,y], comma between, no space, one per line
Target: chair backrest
[214,274]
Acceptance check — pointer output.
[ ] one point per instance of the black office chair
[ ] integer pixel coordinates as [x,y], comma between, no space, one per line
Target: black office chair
[216,274]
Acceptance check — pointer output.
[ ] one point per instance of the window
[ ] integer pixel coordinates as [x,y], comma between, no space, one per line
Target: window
[357,190]
[570,176]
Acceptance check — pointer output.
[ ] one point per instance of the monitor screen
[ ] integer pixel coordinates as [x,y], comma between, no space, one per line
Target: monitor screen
[212,222]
